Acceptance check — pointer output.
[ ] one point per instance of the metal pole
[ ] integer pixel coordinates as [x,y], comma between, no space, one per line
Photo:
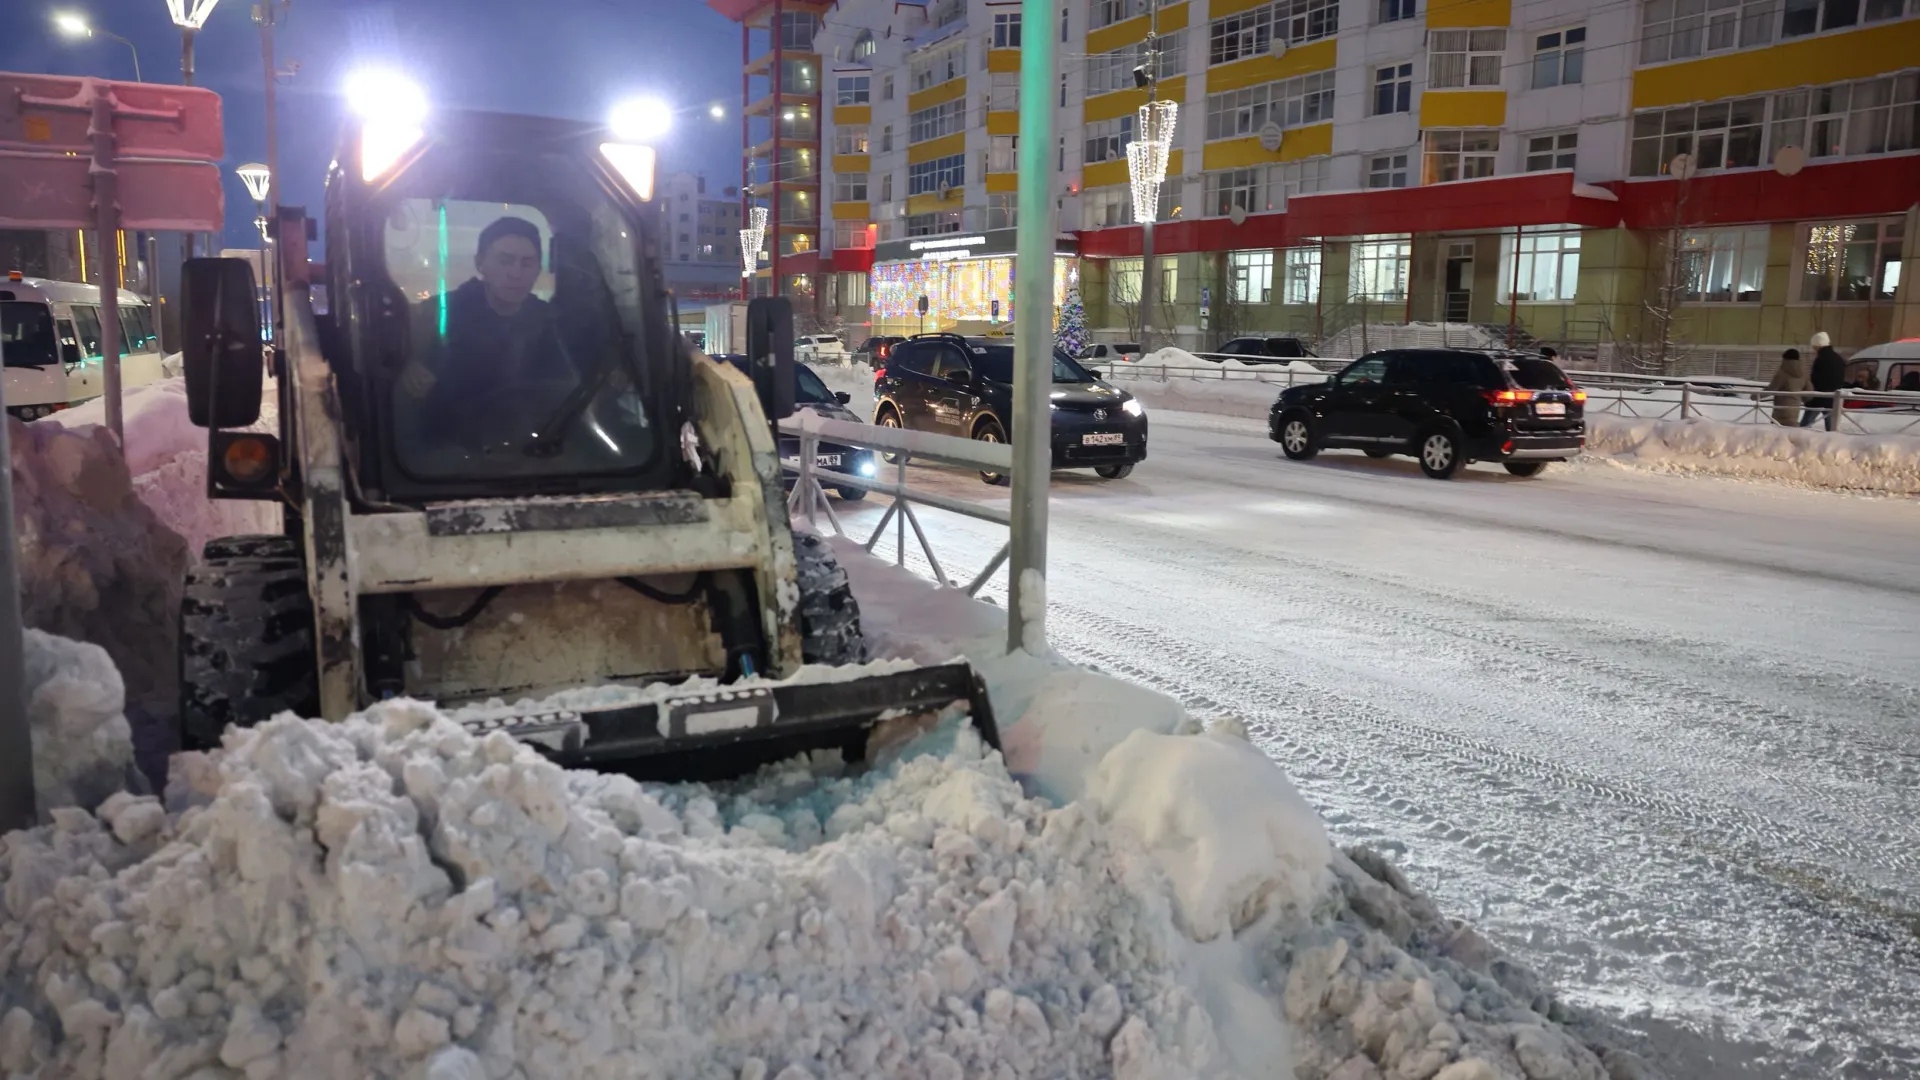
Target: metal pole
[1149,283]
[130,48]
[1032,434]
[1513,293]
[777,92]
[106,209]
[16,738]
[746,153]
[273,168]
[186,55]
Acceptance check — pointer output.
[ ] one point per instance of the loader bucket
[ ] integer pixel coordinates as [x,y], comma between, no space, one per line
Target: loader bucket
[719,733]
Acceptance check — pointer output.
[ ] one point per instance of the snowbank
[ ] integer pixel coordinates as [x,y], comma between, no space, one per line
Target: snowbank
[1817,458]
[96,564]
[1232,397]
[82,746]
[1180,358]
[167,457]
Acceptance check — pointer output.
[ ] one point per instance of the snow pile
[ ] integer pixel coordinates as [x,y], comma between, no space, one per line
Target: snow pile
[1180,358]
[95,563]
[1818,458]
[1231,397]
[167,457]
[392,896]
[82,746]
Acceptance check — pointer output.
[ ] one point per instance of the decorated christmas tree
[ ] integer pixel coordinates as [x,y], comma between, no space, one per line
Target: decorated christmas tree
[1071,332]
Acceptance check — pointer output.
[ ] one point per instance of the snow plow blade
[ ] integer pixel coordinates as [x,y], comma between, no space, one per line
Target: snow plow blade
[726,731]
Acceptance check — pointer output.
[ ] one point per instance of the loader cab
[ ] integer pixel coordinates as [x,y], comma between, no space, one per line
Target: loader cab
[500,324]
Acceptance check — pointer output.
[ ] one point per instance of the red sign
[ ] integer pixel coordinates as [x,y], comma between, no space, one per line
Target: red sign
[156,120]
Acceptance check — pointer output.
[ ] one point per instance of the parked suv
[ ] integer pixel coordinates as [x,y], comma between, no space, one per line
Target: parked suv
[1447,407]
[1256,350]
[953,385]
[821,349]
[873,351]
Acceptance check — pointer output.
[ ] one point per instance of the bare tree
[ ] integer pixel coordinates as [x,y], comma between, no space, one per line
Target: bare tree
[1230,310]
[1123,297]
[1672,275]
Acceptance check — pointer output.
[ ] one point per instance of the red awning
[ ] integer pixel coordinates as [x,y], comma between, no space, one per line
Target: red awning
[1492,204]
[1843,189]
[853,260]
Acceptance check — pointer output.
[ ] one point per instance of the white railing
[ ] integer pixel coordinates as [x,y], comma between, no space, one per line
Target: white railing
[1281,374]
[1852,412]
[809,498]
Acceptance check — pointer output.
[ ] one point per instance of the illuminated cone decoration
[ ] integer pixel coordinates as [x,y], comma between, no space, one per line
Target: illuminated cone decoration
[1147,156]
[750,240]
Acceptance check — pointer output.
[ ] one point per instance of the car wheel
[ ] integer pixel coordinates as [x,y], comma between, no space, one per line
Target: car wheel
[852,494]
[1114,472]
[890,420]
[1379,453]
[1526,468]
[990,431]
[1440,455]
[1296,438]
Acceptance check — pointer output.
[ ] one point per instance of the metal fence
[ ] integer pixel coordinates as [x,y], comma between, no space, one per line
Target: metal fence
[1849,412]
[809,498]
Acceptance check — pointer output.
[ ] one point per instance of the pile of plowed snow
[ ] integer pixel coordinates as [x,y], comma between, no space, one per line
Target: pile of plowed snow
[1882,463]
[393,896]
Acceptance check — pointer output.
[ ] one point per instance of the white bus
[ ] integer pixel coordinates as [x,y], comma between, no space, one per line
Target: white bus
[50,334]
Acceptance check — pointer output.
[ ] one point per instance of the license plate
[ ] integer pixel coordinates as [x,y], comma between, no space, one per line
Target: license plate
[827,461]
[1106,439]
[1549,408]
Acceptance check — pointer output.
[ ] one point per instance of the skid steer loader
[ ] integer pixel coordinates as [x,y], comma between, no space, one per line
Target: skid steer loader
[506,477]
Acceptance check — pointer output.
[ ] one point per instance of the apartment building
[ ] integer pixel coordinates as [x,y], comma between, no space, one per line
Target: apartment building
[1740,172]
[702,227]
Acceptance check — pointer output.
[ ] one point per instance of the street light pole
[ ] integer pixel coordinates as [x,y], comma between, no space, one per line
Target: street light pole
[76,27]
[264,15]
[1033,336]
[189,16]
[1149,280]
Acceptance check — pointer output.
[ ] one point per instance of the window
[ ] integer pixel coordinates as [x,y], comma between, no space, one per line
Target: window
[1301,284]
[1378,269]
[852,235]
[1107,139]
[1108,12]
[937,67]
[1006,30]
[1110,71]
[1679,29]
[1393,89]
[1387,170]
[1064,25]
[886,187]
[1552,151]
[1814,120]
[1459,58]
[1558,57]
[1003,153]
[937,175]
[946,118]
[1873,116]
[1250,276]
[852,90]
[1459,155]
[1063,154]
[853,290]
[1812,16]
[886,87]
[1549,266]
[850,139]
[1306,99]
[1397,10]
[1104,208]
[1719,135]
[1845,261]
[1063,92]
[1720,266]
[850,187]
[797,29]
[864,46]
[946,221]
[1261,188]
[1251,33]
[1002,210]
[886,139]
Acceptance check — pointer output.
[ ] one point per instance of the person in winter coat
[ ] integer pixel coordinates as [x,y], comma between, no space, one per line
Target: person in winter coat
[1827,373]
[1791,377]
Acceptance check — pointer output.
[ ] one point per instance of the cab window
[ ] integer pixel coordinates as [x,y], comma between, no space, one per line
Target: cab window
[26,334]
[87,321]
[1904,377]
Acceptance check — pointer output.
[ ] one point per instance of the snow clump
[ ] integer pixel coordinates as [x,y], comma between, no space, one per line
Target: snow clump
[82,746]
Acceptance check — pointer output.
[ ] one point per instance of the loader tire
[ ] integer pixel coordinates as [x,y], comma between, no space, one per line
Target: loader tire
[829,615]
[246,638]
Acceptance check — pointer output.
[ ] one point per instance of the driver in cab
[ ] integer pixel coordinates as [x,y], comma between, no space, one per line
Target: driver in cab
[498,341]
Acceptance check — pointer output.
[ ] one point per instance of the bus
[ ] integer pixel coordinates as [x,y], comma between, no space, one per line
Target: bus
[50,335]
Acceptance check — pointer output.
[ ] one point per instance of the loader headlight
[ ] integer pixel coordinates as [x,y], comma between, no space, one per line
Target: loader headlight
[392,110]
[634,163]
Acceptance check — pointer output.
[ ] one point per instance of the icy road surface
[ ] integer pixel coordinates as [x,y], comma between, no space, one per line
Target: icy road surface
[1659,736]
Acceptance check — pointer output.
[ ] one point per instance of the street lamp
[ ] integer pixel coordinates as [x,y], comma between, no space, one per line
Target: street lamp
[641,120]
[189,16]
[259,181]
[75,26]
[1147,166]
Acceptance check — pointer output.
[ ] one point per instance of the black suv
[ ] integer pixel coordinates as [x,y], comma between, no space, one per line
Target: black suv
[953,385]
[1257,350]
[873,352]
[812,395]
[1447,407]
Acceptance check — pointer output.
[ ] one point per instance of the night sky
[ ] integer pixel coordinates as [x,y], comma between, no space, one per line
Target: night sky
[551,57]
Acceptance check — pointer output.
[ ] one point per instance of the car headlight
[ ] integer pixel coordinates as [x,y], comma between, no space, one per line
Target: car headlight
[1132,407]
[867,468]
[1052,407]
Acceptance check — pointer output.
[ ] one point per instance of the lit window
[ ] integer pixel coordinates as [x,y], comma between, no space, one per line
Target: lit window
[850,139]
[1250,276]
[1377,269]
[1718,135]
[1302,282]
[1548,270]
[1849,260]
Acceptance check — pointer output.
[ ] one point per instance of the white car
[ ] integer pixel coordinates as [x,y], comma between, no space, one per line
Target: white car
[821,349]
[1101,352]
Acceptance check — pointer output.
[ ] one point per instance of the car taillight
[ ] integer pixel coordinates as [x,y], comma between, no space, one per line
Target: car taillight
[884,350]
[1579,396]
[1507,397]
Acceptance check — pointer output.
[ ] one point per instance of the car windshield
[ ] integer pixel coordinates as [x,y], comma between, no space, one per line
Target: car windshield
[1535,373]
[26,334]
[524,334]
[995,363]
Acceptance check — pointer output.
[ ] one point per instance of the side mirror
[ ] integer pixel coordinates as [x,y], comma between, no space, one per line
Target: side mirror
[963,377]
[770,354]
[220,331]
[70,353]
[843,397]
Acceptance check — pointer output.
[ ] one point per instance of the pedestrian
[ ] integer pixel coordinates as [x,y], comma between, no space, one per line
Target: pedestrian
[1828,371]
[1547,353]
[1791,379]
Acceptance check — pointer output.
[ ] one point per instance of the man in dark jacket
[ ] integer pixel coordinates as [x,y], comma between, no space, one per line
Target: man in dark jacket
[1827,373]
[488,358]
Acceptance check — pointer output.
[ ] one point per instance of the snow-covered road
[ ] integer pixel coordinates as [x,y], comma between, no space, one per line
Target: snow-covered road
[1659,736]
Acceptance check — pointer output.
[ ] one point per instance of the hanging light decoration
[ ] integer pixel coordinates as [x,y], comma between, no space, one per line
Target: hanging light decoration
[1147,156]
[750,240]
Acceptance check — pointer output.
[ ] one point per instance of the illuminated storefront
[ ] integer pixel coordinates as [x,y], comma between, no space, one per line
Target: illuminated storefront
[967,279]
